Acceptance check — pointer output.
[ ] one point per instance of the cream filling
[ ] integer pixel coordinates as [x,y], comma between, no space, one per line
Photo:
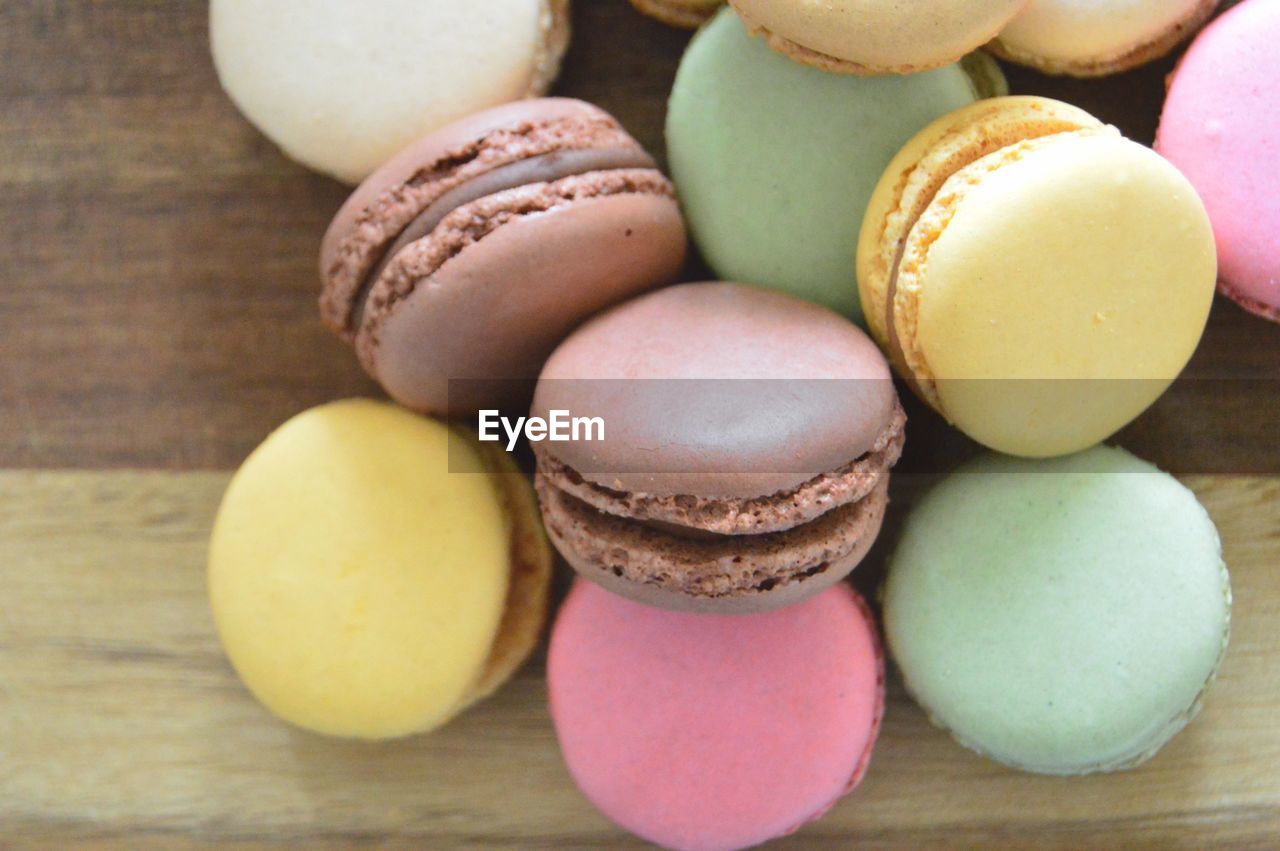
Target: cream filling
[545,168]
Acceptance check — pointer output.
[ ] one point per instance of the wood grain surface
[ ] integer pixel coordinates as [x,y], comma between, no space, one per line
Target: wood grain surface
[157,319]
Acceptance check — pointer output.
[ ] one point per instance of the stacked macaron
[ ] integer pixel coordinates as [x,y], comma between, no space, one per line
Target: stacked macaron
[746,474]
[1034,277]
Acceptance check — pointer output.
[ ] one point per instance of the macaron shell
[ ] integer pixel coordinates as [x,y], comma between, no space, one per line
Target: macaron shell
[1221,128]
[341,87]
[1061,285]
[775,161]
[877,36]
[493,311]
[461,137]
[1061,617]
[1095,37]
[359,569]
[704,732]
[747,391]
[918,171]
[772,512]
[716,574]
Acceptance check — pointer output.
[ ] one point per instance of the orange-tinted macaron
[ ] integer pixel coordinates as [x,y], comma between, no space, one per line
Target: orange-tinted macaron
[1037,278]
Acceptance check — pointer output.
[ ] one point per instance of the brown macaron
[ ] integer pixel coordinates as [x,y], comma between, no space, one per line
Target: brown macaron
[458,266]
[745,455]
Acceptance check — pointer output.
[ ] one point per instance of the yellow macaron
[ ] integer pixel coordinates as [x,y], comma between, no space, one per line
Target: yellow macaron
[372,573]
[1038,279]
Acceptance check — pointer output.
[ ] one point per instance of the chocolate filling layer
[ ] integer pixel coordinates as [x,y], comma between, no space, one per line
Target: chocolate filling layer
[377,226]
[473,222]
[545,168]
[720,566]
[702,517]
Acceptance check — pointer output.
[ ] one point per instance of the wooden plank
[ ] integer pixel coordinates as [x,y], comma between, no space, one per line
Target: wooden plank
[121,725]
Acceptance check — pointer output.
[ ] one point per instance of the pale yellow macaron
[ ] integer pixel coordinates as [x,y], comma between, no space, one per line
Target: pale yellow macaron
[1092,38]
[876,36]
[372,573]
[1038,279]
[679,13]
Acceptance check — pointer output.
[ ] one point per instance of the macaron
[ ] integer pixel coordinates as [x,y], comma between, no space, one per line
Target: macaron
[466,258]
[679,13]
[775,162]
[711,732]
[1093,38]
[1038,279]
[342,86]
[1062,616]
[876,36]
[1221,127]
[747,443]
[373,573]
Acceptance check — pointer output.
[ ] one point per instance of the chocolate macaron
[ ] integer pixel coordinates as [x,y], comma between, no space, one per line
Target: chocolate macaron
[743,457]
[472,253]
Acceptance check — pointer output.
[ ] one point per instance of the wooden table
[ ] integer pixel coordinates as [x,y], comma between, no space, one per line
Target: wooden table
[157,319]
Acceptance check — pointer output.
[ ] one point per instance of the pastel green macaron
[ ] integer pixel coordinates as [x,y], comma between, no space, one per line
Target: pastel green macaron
[775,161]
[1063,616]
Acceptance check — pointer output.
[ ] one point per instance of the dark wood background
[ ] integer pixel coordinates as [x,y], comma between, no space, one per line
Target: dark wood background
[158,319]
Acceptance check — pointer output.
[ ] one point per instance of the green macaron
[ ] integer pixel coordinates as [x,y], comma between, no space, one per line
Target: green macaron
[775,161]
[1063,616]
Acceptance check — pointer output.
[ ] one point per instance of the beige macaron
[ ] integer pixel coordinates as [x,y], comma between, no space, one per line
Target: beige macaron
[341,86]
[869,37]
[1092,39]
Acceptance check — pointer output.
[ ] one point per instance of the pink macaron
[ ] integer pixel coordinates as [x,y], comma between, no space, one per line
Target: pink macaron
[1221,128]
[704,732]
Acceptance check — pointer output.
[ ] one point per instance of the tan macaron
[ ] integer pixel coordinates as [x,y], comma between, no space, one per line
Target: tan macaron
[870,37]
[1091,39]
